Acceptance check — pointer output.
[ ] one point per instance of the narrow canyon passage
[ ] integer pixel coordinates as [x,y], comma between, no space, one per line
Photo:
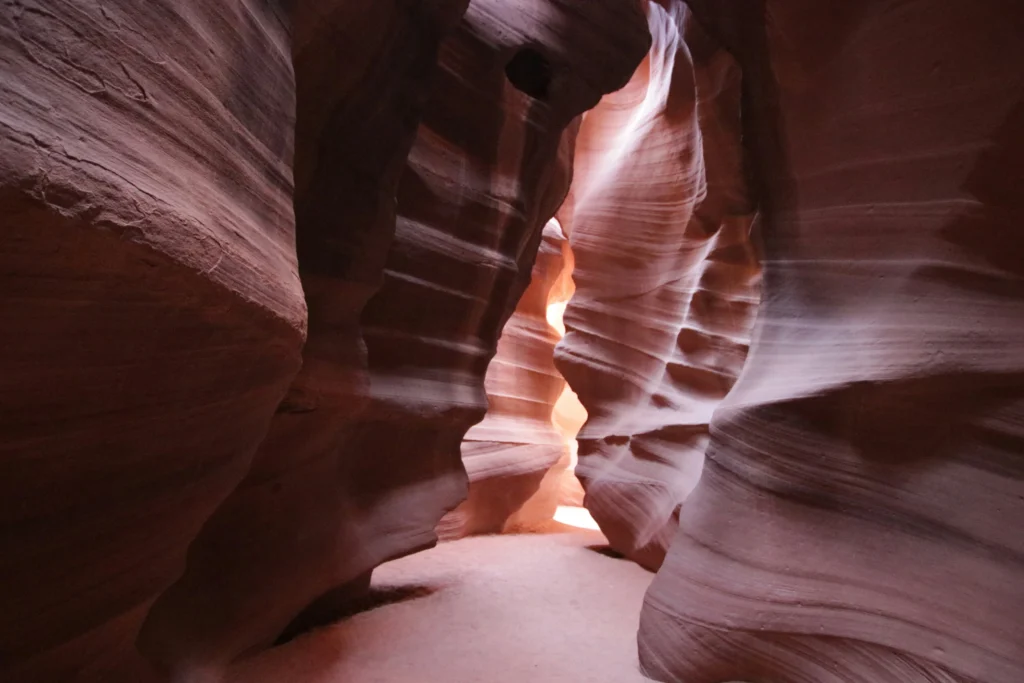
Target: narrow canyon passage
[410,341]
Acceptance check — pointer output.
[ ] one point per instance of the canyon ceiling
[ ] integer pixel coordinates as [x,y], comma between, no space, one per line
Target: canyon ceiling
[257,256]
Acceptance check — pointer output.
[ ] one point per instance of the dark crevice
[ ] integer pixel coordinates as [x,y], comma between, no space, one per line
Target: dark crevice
[348,601]
[530,72]
[607,551]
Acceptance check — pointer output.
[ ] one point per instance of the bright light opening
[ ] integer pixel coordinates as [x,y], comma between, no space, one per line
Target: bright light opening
[575,516]
[568,415]
[555,314]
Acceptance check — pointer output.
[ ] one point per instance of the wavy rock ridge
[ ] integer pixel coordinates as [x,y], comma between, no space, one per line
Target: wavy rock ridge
[151,314]
[363,459]
[517,445]
[256,255]
[290,529]
[146,177]
[666,280]
[858,519]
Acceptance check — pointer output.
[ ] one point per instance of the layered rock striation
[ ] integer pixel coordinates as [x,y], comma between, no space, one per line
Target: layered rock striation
[291,529]
[858,518]
[151,314]
[517,444]
[156,286]
[157,281]
[491,164]
[659,219]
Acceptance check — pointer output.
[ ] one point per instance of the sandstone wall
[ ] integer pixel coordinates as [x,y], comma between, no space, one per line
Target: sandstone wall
[858,519]
[666,280]
[290,533]
[153,311]
[517,444]
[490,164]
[151,314]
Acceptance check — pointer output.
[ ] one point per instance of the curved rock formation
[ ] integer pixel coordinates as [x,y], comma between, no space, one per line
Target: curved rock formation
[359,467]
[511,451]
[151,314]
[145,182]
[666,280]
[290,529]
[472,206]
[859,515]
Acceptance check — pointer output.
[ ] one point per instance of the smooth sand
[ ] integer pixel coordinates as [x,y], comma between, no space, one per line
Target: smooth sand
[492,609]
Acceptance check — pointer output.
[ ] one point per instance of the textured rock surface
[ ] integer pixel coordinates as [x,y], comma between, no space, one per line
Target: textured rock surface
[490,165]
[511,451]
[360,466]
[472,205]
[151,314]
[667,282]
[859,515]
[294,529]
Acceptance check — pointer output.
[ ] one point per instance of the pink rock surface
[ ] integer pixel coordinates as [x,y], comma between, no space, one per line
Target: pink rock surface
[859,515]
[151,314]
[472,206]
[362,458]
[513,608]
[666,280]
[517,444]
[295,530]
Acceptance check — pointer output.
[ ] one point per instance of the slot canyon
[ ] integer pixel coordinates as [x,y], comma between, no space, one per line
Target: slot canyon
[402,341]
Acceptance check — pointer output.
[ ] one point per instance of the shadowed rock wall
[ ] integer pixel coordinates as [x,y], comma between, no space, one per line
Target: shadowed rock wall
[492,163]
[859,515]
[291,530]
[151,314]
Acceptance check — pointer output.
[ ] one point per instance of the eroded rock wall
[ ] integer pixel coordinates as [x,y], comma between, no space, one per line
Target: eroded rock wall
[858,519]
[407,294]
[295,532]
[511,451]
[666,280]
[151,314]
[492,162]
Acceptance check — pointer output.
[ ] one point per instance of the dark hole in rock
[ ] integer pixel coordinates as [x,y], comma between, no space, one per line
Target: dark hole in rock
[530,72]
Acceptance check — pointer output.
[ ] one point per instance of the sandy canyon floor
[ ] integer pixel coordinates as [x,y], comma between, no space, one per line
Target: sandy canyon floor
[494,609]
